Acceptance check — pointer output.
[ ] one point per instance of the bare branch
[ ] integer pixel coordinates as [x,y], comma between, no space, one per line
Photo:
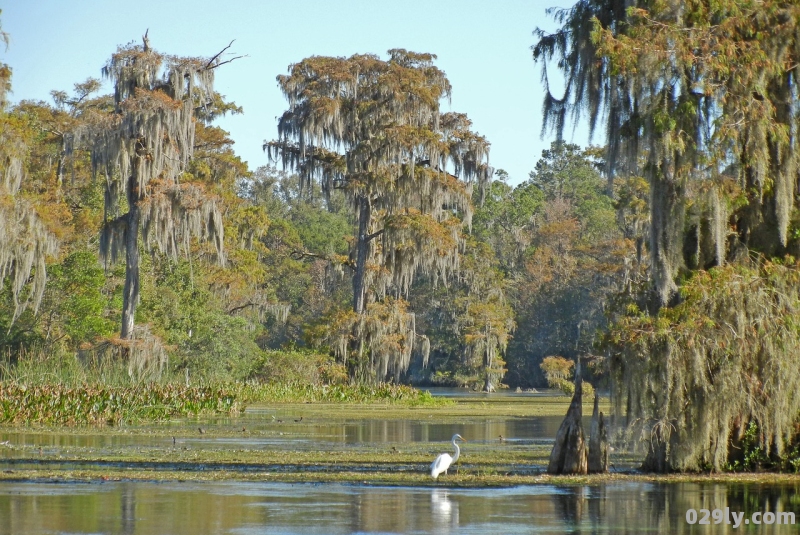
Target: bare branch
[209,66]
[221,63]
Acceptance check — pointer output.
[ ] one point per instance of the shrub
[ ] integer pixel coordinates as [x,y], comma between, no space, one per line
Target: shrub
[297,366]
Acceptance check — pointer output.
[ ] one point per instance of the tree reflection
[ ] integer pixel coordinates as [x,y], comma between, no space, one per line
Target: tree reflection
[568,504]
[618,507]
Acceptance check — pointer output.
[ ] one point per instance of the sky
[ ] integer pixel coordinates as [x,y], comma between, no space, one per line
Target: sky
[483,47]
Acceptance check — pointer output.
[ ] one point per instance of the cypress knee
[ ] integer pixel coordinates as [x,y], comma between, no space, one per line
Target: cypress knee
[569,451]
[598,441]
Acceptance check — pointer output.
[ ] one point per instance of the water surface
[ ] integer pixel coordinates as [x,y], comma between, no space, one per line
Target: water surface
[262,431]
[144,508]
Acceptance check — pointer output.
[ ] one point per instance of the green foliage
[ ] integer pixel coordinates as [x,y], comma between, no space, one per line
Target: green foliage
[574,260]
[468,324]
[752,455]
[748,453]
[567,386]
[100,405]
[296,367]
[210,342]
[17,334]
[559,374]
[75,294]
[567,172]
[339,393]
[506,220]
[322,221]
[320,230]
[556,368]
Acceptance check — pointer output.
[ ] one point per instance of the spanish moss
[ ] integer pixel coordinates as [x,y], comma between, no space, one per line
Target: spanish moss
[142,149]
[373,129]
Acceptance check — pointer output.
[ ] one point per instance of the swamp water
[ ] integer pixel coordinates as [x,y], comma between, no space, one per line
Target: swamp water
[60,503]
[278,508]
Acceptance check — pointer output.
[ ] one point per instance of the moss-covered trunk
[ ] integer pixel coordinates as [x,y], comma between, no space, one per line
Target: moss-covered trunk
[362,249]
[130,295]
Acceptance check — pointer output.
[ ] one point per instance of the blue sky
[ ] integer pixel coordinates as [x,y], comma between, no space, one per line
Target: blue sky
[483,47]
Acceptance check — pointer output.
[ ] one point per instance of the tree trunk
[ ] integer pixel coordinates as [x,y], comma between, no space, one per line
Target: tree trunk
[569,451]
[598,441]
[488,385]
[130,295]
[362,248]
[658,453]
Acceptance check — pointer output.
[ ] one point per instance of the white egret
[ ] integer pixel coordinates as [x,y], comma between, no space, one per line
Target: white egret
[443,461]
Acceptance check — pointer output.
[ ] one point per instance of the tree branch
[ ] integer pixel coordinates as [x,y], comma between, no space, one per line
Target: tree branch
[216,56]
[221,63]
[240,307]
[299,255]
[374,235]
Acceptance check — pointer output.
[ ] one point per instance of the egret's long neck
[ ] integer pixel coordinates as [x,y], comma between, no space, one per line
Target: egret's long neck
[458,451]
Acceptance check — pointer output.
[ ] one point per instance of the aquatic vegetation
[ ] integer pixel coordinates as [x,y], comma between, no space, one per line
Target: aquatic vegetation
[295,392]
[54,404]
[59,405]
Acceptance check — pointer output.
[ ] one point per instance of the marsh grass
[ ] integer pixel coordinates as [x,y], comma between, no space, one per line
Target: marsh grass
[50,365]
[175,451]
[297,392]
[93,404]
[40,386]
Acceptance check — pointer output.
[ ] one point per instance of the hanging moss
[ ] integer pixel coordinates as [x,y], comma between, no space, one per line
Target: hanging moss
[142,149]
[25,242]
[172,215]
[379,343]
[700,99]
[710,97]
[373,129]
[695,376]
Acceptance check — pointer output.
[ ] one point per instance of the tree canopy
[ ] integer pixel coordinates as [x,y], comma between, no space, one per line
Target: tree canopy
[142,147]
[698,99]
[373,129]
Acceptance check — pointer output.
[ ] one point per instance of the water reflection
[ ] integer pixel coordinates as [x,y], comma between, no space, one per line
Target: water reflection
[261,432]
[139,508]
[268,427]
[444,511]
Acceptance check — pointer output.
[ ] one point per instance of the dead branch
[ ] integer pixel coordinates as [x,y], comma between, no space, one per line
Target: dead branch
[216,56]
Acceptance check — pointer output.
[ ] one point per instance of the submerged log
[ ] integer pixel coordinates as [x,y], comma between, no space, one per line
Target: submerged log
[598,441]
[569,451]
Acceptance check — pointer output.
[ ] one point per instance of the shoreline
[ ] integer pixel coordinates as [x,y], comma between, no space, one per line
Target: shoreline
[383,479]
[255,447]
